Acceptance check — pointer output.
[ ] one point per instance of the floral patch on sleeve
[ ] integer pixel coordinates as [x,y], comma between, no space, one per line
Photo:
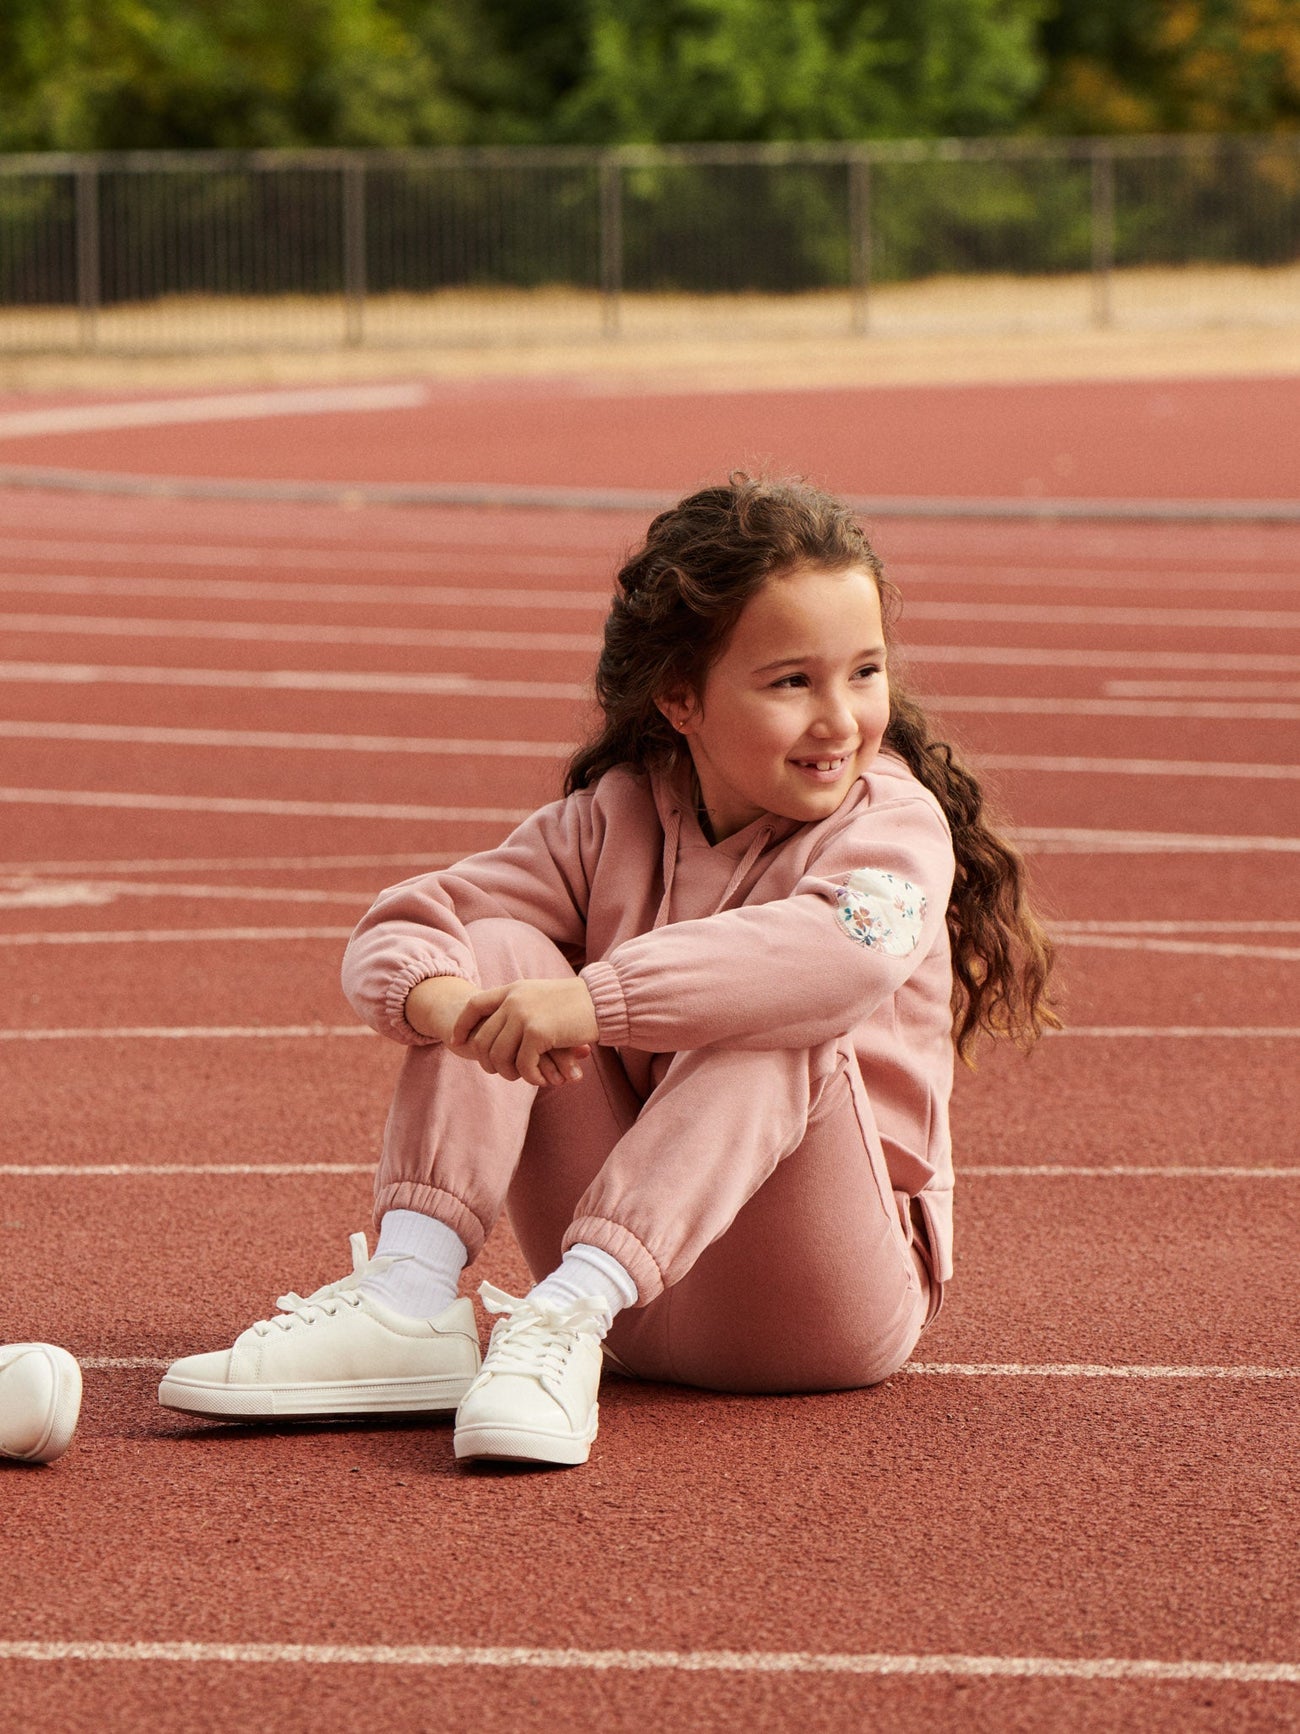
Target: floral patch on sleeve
[880,910]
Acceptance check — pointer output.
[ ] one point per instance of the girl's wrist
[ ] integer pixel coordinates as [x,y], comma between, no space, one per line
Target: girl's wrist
[434,1004]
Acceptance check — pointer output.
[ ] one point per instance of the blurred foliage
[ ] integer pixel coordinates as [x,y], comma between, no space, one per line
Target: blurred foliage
[140,74]
[1123,66]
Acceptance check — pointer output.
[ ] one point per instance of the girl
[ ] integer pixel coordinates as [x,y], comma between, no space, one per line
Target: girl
[692,1026]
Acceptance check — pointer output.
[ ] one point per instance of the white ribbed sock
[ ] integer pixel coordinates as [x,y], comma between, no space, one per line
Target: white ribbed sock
[587,1270]
[422,1283]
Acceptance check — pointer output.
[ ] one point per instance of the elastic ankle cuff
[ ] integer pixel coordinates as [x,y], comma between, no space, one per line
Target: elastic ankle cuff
[433,1201]
[620,1243]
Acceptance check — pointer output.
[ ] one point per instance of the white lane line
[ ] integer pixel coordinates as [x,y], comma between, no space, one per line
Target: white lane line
[1092,576]
[1201,688]
[231,863]
[19,893]
[292,680]
[176,936]
[1080,840]
[994,704]
[197,1033]
[1209,924]
[592,601]
[1186,947]
[1090,1370]
[1180,1032]
[1147,1171]
[278,809]
[455,549]
[227,406]
[1057,614]
[275,632]
[1055,765]
[750,1662]
[1015,656]
[128,1170]
[283,740]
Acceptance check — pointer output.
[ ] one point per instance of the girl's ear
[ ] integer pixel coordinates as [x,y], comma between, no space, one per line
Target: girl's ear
[680,709]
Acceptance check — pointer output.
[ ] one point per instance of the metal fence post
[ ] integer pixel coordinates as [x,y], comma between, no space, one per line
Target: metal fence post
[1103,232]
[860,243]
[88,270]
[611,245]
[354,248]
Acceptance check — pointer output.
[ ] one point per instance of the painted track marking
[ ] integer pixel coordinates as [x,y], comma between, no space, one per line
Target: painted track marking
[279,809]
[292,680]
[644,1661]
[594,600]
[1055,764]
[230,406]
[281,740]
[176,936]
[1186,947]
[279,632]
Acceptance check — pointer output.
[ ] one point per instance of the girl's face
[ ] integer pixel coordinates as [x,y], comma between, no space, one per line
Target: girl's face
[796,706]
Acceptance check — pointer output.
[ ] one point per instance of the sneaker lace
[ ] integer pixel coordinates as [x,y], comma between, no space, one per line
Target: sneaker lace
[538,1339]
[325,1302]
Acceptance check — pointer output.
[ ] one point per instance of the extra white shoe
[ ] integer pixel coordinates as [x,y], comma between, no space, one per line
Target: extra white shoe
[535,1399]
[40,1399]
[338,1353]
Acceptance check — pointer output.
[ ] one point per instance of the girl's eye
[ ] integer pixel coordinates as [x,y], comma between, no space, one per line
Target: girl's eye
[791,680]
[867,671]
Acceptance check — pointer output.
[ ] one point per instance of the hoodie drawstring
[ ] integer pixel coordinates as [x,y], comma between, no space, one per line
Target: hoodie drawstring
[672,842]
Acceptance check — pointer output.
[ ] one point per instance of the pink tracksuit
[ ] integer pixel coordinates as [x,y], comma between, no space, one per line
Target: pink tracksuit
[761,1136]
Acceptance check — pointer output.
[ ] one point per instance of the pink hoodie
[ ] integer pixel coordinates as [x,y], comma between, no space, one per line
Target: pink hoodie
[785,935]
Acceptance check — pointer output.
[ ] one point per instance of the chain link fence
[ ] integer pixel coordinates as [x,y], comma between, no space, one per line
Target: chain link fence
[188,251]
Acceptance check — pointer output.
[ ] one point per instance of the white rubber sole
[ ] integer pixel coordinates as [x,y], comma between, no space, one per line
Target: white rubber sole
[341,1401]
[497,1441]
[65,1407]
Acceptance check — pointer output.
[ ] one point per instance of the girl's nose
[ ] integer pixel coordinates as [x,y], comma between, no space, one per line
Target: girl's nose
[835,718]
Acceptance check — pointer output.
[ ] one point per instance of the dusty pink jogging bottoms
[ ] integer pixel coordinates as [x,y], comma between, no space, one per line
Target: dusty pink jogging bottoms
[747,1195]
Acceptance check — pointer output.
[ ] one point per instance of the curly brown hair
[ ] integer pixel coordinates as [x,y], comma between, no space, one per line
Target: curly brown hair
[677,601]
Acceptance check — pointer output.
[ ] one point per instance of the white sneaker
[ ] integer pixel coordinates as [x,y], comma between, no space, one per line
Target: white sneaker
[337,1353]
[40,1399]
[535,1399]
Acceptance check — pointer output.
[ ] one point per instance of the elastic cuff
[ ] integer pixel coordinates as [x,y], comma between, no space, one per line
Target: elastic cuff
[611,1008]
[433,1201]
[395,1024]
[622,1244]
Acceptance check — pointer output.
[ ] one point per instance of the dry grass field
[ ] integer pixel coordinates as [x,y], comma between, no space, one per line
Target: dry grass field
[1162,323]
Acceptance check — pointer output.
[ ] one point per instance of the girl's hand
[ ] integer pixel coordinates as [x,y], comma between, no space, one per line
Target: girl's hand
[531,1030]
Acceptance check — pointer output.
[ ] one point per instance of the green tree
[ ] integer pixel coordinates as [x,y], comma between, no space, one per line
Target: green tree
[139,74]
[683,70]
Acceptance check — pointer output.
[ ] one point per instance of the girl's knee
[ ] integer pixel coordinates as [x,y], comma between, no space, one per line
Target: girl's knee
[508,950]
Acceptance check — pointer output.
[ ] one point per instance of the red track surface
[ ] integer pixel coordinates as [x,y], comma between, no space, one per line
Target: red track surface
[1128,1200]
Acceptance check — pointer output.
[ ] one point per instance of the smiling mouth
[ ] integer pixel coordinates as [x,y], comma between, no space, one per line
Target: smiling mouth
[835,763]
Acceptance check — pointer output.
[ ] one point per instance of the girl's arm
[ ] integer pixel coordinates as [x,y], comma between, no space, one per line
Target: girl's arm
[417,930]
[795,972]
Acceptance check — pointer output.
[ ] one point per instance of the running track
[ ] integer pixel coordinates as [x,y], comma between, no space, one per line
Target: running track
[225,724]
